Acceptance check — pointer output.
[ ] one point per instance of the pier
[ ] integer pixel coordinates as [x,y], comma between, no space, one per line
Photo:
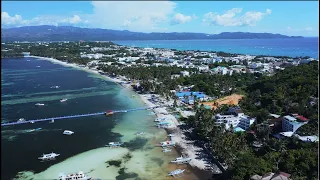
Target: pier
[79,115]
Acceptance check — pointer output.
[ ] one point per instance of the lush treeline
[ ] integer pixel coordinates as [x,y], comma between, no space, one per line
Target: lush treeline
[289,155]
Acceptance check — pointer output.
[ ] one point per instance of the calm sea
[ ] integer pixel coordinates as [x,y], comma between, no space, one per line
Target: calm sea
[23,84]
[274,47]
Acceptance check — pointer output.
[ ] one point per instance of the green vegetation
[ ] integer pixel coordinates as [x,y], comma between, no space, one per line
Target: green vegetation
[116,163]
[276,94]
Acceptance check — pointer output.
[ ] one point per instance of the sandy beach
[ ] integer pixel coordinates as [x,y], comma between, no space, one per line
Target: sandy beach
[187,147]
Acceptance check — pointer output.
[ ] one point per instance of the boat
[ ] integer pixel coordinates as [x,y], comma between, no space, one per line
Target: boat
[165,150]
[159,119]
[55,87]
[63,100]
[50,156]
[114,144]
[39,104]
[28,60]
[52,121]
[181,160]
[176,173]
[67,132]
[163,123]
[79,176]
[167,143]
[31,122]
[21,120]
[140,133]
[170,135]
[38,66]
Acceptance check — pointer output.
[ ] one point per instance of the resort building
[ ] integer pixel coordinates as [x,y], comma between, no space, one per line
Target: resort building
[188,97]
[291,123]
[246,122]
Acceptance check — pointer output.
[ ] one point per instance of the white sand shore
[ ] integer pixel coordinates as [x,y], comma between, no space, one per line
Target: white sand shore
[188,149]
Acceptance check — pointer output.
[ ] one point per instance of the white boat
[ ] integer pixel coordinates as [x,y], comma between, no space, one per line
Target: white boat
[21,120]
[67,132]
[176,173]
[165,150]
[31,122]
[167,143]
[63,100]
[39,104]
[38,66]
[28,60]
[181,160]
[52,121]
[79,176]
[55,87]
[159,119]
[50,156]
[170,135]
[114,144]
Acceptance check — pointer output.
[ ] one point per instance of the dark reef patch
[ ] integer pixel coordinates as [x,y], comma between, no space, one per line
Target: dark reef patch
[116,163]
[159,161]
[124,175]
[135,144]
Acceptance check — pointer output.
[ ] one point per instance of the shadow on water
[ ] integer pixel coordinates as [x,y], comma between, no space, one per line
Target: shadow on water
[135,144]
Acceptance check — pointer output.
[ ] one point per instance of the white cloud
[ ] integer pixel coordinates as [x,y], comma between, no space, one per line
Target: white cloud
[181,19]
[133,15]
[17,20]
[6,19]
[231,18]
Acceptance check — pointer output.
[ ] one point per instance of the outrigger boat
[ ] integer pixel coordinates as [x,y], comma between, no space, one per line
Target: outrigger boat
[159,119]
[181,160]
[63,100]
[21,120]
[167,143]
[67,132]
[176,173]
[114,144]
[79,176]
[55,87]
[50,156]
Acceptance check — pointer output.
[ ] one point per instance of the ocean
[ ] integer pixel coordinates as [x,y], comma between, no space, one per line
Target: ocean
[23,84]
[273,47]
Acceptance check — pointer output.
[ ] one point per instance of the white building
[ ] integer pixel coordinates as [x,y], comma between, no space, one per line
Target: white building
[229,119]
[291,123]
[185,73]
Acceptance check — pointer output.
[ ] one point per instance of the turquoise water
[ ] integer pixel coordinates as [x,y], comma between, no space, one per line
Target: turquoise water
[23,85]
[274,47]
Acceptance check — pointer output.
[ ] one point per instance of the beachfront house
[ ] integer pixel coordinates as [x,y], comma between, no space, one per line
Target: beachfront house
[291,123]
[188,97]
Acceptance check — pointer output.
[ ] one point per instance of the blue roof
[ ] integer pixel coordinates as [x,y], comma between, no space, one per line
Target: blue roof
[188,93]
[238,129]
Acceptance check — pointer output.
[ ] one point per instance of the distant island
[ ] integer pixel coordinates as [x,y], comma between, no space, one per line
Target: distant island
[70,33]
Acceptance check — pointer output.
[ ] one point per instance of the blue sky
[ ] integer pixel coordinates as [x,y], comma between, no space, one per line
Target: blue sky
[212,17]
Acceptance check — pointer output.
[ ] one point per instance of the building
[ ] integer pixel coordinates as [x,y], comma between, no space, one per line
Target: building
[246,122]
[291,123]
[272,176]
[185,73]
[188,97]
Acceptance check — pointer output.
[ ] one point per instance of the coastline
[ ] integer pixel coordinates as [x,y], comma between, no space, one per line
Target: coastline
[185,147]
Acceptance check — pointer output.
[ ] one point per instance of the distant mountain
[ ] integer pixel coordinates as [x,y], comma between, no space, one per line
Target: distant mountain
[69,33]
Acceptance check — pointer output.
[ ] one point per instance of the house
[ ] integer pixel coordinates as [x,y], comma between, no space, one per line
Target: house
[185,73]
[272,176]
[291,123]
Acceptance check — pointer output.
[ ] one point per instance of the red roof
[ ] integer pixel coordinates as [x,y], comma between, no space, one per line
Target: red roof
[302,118]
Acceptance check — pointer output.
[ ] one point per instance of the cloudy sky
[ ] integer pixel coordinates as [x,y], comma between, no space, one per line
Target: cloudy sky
[289,18]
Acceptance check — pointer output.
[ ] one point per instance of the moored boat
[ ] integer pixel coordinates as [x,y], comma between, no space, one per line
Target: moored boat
[181,160]
[176,173]
[67,132]
[63,100]
[114,144]
[50,156]
[21,120]
[79,176]
[167,143]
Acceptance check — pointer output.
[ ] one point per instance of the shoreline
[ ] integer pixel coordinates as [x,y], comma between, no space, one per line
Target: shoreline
[184,147]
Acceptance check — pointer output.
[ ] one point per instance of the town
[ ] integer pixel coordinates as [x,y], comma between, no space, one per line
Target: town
[238,106]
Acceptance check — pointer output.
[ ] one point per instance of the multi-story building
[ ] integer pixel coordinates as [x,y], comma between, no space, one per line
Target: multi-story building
[291,123]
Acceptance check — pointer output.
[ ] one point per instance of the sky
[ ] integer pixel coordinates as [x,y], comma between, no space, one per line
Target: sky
[211,17]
